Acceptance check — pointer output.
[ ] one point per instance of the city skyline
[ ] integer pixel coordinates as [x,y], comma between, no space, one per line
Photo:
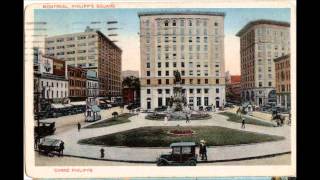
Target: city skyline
[70,21]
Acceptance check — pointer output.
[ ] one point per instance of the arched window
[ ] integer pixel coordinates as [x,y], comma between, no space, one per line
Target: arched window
[166,23]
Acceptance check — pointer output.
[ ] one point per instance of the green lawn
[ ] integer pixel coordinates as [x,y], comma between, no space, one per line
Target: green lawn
[159,137]
[122,118]
[236,118]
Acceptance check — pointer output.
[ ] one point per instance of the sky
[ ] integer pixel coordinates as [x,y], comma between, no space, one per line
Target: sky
[64,21]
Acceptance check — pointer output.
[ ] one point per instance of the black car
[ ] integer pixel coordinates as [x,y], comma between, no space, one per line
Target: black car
[133,106]
[229,105]
[44,129]
[49,145]
[160,109]
[183,153]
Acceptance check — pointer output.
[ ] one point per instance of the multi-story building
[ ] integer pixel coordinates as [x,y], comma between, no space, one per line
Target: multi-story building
[190,42]
[77,83]
[51,81]
[92,84]
[90,50]
[261,41]
[282,65]
[233,89]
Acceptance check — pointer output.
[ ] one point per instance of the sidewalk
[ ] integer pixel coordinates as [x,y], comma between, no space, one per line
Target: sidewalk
[215,154]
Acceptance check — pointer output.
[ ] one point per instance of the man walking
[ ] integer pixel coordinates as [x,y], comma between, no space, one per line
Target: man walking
[243,123]
[101,153]
[187,118]
[79,126]
[203,150]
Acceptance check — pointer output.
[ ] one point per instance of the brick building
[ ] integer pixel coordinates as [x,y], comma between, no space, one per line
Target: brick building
[77,83]
[282,67]
[90,50]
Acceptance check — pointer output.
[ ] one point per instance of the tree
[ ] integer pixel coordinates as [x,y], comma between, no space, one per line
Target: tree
[131,82]
[115,115]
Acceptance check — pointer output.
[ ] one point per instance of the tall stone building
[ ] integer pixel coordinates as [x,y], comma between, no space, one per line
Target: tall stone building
[283,88]
[190,42]
[261,41]
[90,50]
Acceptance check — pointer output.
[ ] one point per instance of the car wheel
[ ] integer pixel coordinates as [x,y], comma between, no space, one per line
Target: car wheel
[161,163]
[192,163]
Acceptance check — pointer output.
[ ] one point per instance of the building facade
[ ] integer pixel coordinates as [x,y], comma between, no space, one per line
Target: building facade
[233,89]
[282,67]
[51,80]
[90,50]
[77,83]
[190,42]
[261,41]
[92,84]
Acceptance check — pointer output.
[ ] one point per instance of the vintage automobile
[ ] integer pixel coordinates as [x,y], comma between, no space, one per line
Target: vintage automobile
[44,129]
[160,109]
[183,153]
[49,145]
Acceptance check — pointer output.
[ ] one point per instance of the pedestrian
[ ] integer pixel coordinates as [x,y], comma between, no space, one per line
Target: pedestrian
[61,149]
[187,118]
[79,126]
[166,120]
[243,123]
[101,153]
[36,142]
[201,149]
[204,153]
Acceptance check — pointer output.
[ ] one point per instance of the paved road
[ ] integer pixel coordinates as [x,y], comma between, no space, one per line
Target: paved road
[221,153]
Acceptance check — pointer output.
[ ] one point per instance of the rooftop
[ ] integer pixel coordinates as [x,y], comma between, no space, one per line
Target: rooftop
[208,13]
[262,21]
[182,144]
[282,57]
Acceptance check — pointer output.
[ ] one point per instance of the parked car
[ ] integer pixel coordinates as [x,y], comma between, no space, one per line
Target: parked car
[44,129]
[160,109]
[183,153]
[49,145]
[133,106]
[229,105]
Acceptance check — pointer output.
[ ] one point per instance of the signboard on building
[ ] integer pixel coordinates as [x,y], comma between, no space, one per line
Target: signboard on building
[46,65]
[59,67]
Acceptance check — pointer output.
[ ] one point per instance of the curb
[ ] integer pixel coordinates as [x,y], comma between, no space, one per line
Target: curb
[149,162]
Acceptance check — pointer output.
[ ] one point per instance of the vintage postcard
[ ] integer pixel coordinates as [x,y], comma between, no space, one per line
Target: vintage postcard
[160,89]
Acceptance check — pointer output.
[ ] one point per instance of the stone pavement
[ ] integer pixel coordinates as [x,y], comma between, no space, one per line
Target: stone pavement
[215,154]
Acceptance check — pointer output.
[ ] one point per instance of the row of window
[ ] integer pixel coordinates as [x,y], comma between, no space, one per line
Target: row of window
[167,81]
[167,73]
[71,46]
[191,91]
[182,64]
[81,37]
[182,56]
[55,94]
[55,84]
[174,48]
[181,22]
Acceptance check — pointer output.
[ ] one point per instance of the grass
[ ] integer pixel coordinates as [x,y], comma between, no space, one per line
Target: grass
[158,137]
[235,118]
[122,118]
